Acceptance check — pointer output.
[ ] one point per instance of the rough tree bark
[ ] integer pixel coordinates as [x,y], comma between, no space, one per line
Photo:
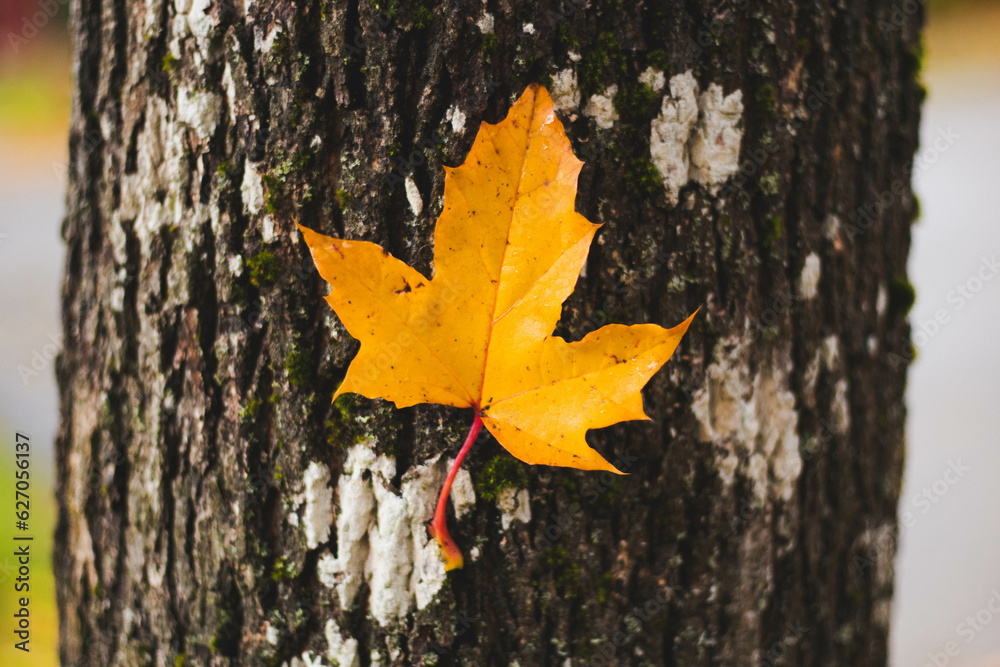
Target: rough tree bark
[198,448]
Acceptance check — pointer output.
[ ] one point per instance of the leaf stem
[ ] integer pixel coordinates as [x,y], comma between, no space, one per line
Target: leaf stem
[439,526]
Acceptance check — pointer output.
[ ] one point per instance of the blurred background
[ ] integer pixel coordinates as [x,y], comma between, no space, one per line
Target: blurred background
[34,120]
[948,561]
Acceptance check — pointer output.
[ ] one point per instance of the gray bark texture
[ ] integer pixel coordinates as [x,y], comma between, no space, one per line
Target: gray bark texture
[198,444]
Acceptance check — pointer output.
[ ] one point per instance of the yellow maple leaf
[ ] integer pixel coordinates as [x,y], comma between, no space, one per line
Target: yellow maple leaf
[508,249]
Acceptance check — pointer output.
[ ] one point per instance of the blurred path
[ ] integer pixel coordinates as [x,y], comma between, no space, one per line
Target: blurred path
[948,564]
[34,115]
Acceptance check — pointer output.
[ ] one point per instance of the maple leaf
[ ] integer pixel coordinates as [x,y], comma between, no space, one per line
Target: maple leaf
[508,248]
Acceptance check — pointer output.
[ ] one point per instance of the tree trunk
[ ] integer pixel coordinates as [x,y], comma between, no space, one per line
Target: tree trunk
[752,159]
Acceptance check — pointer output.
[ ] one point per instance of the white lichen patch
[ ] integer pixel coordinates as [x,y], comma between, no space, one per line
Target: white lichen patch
[565,91]
[252,190]
[654,78]
[429,573]
[341,651]
[200,20]
[318,496]
[356,504]
[271,634]
[264,42]
[421,487]
[306,660]
[382,538]
[670,133]
[753,418]
[601,108]
[463,495]
[529,28]
[725,406]
[456,117]
[117,300]
[252,193]
[162,164]
[267,233]
[779,436]
[229,85]
[514,506]
[485,23]
[413,197]
[809,278]
[326,570]
[715,146]
[200,110]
